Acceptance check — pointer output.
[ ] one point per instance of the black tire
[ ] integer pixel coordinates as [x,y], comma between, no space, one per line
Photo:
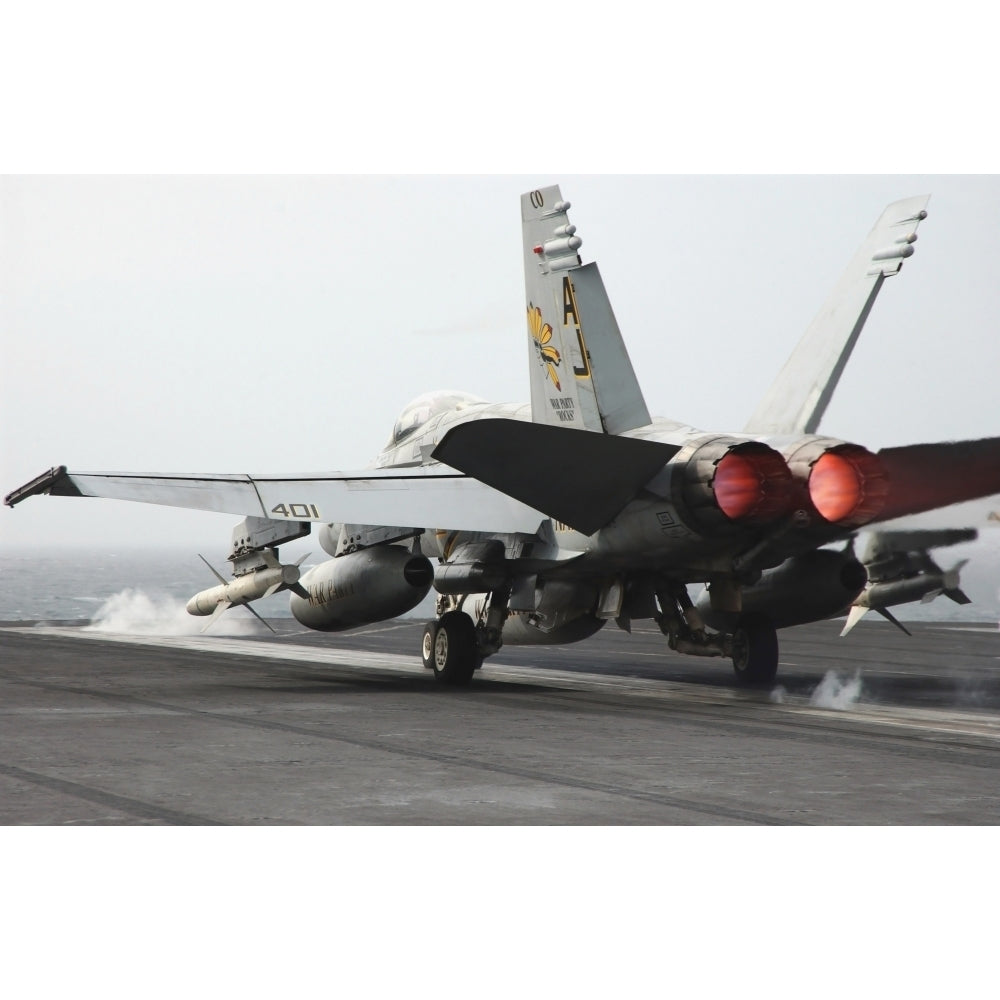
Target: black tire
[427,645]
[456,653]
[755,650]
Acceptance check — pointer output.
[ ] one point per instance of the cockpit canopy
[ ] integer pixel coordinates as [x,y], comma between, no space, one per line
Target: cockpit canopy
[423,408]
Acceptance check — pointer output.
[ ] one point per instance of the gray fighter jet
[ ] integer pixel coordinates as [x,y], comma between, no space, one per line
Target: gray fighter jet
[539,523]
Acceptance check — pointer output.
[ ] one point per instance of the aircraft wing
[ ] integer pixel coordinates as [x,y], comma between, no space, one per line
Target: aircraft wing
[429,498]
[800,394]
[514,475]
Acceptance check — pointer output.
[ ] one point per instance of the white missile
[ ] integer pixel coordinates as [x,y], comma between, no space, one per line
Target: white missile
[924,588]
[242,590]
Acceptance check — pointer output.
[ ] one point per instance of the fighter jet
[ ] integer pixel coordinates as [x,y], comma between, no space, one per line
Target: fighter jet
[541,522]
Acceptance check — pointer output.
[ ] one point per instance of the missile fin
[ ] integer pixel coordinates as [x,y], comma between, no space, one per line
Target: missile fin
[258,617]
[887,615]
[217,613]
[958,596]
[215,572]
[854,616]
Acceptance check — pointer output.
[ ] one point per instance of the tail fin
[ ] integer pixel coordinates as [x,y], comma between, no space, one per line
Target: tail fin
[800,394]
[581,375]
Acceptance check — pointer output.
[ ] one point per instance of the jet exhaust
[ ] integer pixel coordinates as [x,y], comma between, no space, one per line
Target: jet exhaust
[848,486]
[844,484]
[752,484]
[727,482]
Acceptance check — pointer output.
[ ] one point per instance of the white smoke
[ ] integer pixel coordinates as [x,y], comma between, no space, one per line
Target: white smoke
[836,692]
[778,695]
[134,612]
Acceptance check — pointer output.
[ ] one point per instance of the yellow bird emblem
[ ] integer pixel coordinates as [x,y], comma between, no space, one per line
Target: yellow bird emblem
[541,334]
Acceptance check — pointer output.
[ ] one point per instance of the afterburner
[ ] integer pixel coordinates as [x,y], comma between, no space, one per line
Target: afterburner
[846,484]
[727,483]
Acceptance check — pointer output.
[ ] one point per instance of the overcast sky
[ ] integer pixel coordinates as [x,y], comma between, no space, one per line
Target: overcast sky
[174,321]
[279,324]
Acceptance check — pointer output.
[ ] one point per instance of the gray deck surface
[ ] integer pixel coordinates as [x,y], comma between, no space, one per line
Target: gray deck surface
[348,729]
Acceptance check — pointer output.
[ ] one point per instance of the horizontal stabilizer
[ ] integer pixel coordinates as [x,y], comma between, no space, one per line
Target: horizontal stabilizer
[927,476]
[581,478]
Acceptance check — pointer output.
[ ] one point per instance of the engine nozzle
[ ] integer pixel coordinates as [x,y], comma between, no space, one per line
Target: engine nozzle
[752,484]
[848,486]
[730,484]
[843,483]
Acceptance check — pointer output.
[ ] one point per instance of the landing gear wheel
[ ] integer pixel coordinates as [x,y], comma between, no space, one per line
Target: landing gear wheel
[455,651]
[427,645]
[755,650]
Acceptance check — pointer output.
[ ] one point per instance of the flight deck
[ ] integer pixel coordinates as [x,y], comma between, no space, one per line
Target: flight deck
[350,729]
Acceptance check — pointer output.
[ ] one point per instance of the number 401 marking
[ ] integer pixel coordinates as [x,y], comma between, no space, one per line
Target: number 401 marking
[302,511]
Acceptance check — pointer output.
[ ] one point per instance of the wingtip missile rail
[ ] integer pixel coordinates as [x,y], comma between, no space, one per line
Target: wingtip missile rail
[55,481]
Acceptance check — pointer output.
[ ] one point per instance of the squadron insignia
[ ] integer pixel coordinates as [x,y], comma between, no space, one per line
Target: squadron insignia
[541,334]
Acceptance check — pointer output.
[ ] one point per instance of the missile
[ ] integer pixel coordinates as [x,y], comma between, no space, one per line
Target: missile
[881,596]
[900,570]
[923,588]
[248,587]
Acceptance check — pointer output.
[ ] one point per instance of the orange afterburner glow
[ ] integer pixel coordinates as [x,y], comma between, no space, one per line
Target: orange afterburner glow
[752,482]
[835,486]
[737,486]
[847,485]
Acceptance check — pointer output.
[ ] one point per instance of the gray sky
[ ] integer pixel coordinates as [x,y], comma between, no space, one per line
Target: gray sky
[278,324]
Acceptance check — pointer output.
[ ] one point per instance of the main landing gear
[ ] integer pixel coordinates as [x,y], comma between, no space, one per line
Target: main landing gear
[753,645]
[755,650]
[455,646]
[449,648]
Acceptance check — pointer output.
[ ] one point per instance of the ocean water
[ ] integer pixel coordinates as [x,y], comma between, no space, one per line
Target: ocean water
[76,584]
[130,586]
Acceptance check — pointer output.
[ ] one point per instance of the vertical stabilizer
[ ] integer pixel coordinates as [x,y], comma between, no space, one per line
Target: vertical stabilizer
[797,400]
[580,371]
